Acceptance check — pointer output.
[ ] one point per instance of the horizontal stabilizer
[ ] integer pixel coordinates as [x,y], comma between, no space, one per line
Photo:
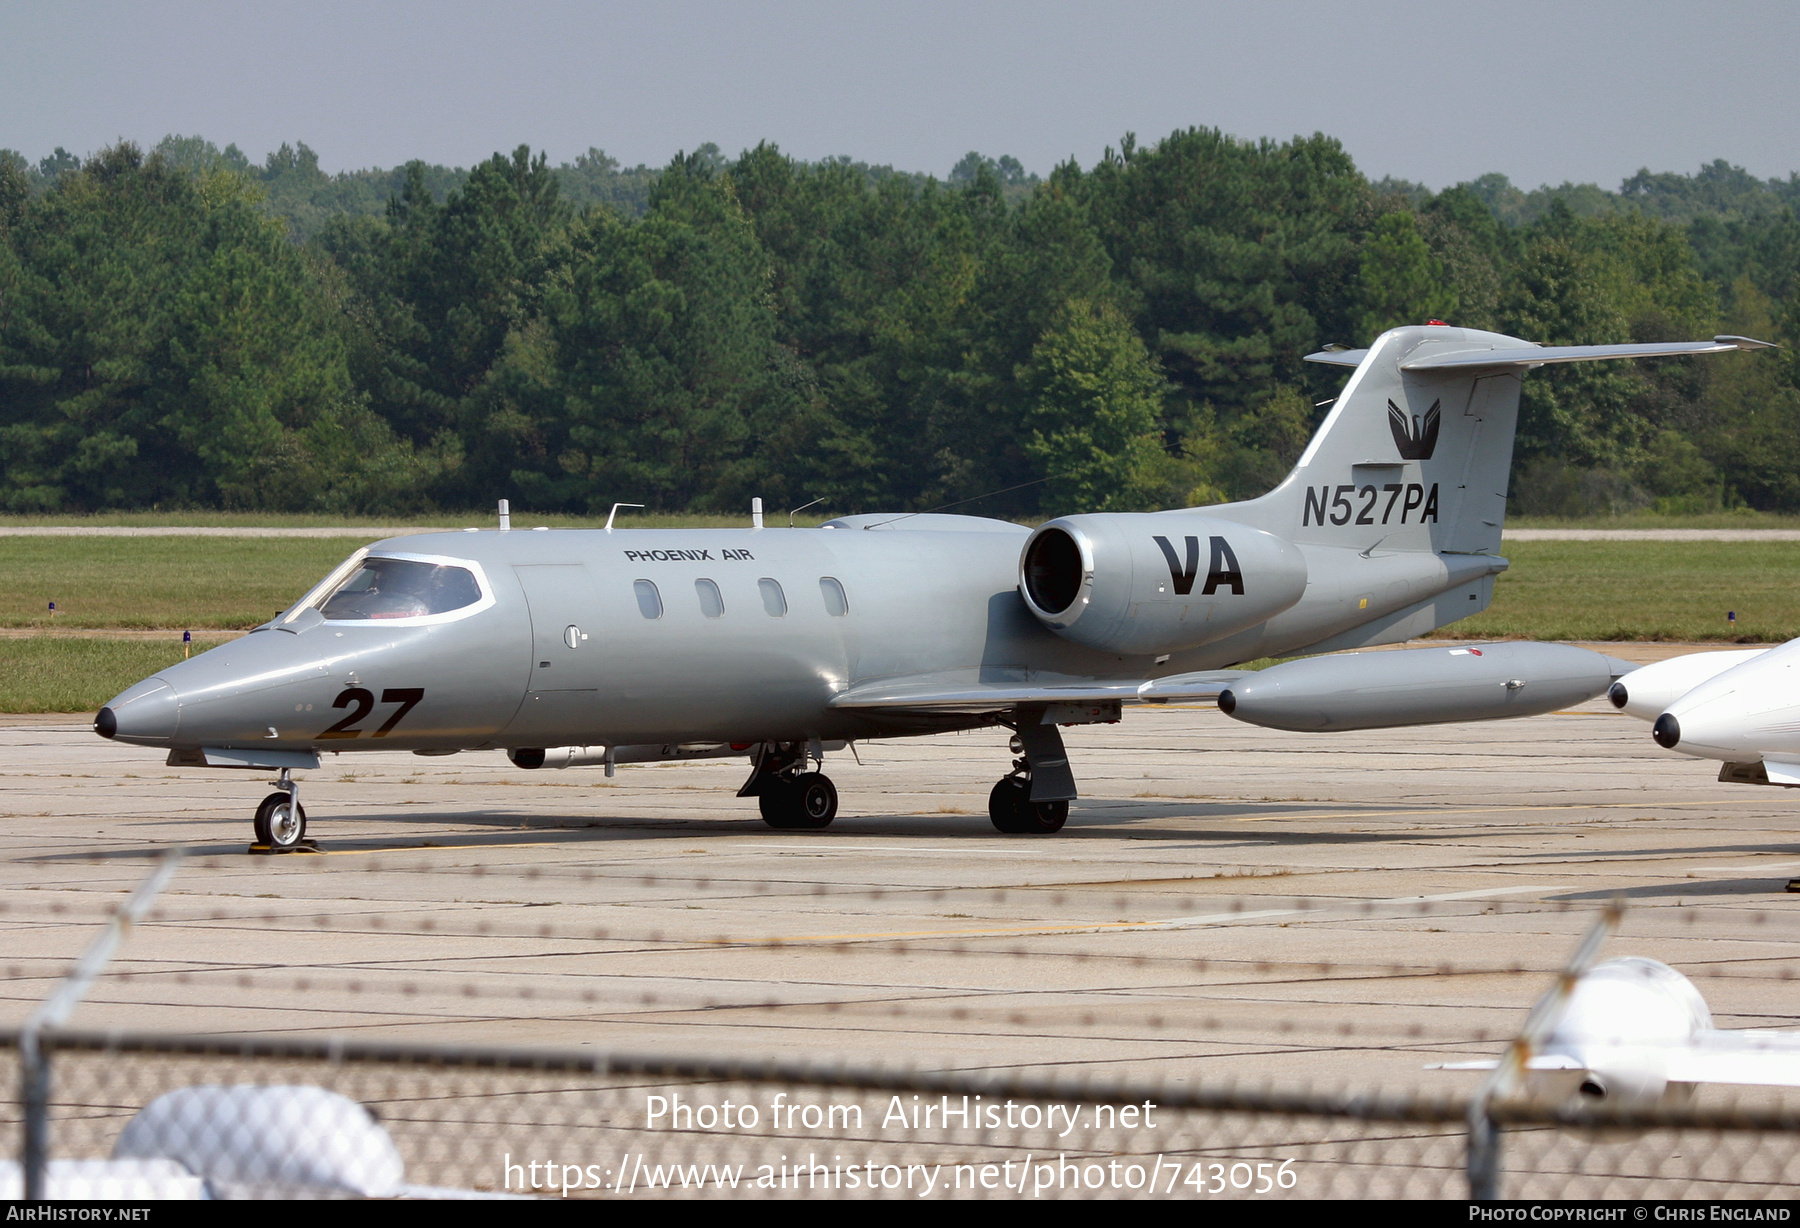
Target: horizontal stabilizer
[1339,358]
[1541,355]
[941,694]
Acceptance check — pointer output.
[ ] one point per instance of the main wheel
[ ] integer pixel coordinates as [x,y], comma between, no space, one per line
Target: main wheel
[1007,802]
[815,797]
[1045,818]
[805,803]
[280,822]
[1014,813]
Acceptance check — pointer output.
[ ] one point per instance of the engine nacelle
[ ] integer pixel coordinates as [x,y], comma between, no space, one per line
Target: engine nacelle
[1624,1021]
[1143,583]
[1652,690]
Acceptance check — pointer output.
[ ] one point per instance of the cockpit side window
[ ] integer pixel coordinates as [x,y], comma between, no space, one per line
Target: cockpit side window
[400,588]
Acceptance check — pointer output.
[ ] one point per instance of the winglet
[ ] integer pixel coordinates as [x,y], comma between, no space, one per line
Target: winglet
[1745,343]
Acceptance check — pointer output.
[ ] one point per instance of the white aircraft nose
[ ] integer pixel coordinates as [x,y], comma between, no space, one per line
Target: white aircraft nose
[147,712]
[1719,730]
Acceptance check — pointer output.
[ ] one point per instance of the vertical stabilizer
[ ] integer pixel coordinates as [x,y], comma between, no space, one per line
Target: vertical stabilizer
[1407,460]
[1416,450]
[1398,502]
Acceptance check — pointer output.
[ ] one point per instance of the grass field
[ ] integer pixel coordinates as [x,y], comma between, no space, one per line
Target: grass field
[181,583]
[1737,518]
[55,674]
[1555,591]
[1644,591]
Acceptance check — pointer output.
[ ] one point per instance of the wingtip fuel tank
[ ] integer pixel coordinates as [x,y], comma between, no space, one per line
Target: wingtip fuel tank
[1419,686]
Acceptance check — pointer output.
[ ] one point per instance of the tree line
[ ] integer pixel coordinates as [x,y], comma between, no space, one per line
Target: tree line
[184,328]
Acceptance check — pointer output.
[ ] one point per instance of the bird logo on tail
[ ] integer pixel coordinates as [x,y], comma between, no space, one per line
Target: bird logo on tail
[1416,440]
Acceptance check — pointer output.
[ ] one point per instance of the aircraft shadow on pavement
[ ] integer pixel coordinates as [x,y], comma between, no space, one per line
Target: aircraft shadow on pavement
[1105,819]
[1685,850]
[1139,820]
[1687,889]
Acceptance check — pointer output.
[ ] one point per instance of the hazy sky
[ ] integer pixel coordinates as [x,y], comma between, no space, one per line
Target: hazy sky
[1436,92]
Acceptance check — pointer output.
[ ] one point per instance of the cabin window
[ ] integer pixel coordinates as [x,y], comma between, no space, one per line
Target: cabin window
[836,604]
[711,604]
[400,588]
[774,600]
[648,599]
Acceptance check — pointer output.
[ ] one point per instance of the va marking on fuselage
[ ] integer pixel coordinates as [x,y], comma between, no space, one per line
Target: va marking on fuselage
[687,556]
[1223,569]
[1323,499]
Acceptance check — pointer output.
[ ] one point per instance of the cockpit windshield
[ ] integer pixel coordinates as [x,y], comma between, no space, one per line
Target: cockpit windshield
[400,588]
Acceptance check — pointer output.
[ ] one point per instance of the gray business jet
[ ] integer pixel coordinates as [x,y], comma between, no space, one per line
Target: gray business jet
[618,646]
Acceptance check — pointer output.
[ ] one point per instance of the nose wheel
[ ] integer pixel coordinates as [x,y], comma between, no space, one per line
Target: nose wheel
[280,821]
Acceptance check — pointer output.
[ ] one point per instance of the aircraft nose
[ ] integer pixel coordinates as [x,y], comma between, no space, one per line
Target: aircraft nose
[1666,731]
[148,712]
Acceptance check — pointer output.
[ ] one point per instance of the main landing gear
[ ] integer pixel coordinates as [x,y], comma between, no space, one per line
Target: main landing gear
[790,797]
[281,820]
[1033,799]
[1014,813]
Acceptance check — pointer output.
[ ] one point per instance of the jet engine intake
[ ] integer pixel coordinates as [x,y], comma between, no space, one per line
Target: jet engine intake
[1151,583]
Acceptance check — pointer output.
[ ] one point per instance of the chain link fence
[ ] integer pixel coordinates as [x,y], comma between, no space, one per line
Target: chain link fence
[134,1115]
[1004,1021]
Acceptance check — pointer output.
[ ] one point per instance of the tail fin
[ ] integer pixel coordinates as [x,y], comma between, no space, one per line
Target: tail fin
[1416,451]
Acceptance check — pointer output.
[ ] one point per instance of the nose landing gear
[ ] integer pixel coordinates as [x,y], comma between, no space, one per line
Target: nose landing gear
[280,821]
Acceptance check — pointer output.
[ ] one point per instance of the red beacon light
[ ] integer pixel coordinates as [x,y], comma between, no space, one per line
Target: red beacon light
[1436,324]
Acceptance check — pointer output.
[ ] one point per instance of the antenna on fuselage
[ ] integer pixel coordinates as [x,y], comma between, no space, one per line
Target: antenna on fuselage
[802,508]
[756,513]
[615,512]
[505,516]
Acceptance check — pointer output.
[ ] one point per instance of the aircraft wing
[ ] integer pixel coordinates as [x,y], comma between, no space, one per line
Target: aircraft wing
[1760,1057]
[1763,1058]
[1542,1061]
[938,693]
